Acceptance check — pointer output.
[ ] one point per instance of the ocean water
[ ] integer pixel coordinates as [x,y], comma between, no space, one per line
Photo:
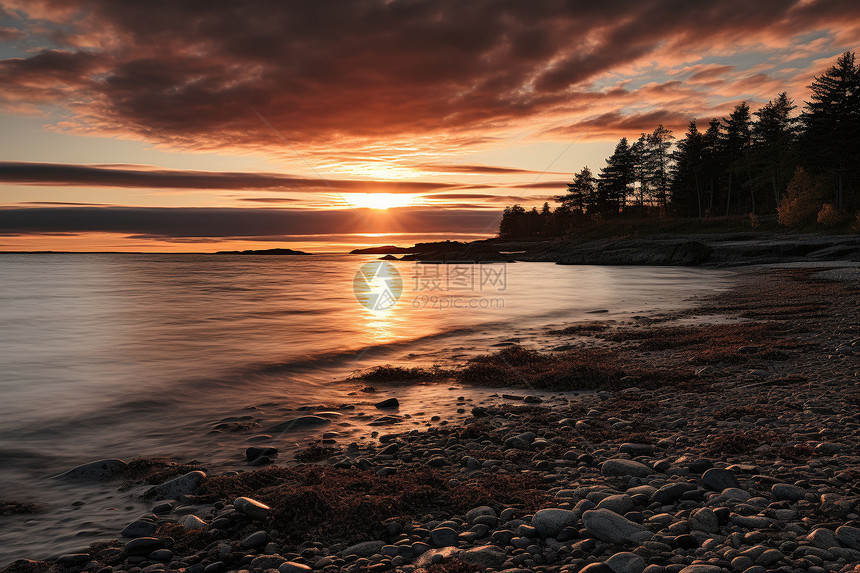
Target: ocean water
[137,355]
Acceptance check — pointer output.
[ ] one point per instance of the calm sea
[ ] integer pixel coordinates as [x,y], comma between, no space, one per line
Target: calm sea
[131,355]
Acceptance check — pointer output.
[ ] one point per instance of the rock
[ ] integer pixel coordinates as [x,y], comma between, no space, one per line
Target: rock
[768,557]
[163,555]
[365,549]
[139,528]
[637,449]
[389,403]
[443,537]
[823,538]
[827,449]
[101,470]
[751,521]
[784,491]
[849,536]
[477,512]
[597,568]
[620,467]
[620,504]
[256,539]
[671,492]
[437,462]
[487,556]
[550,522]
[718,479]
[613,528]
[702,568]
[192,522]
[625,562]
[255,452]
[143,545]
[300,423]
[263,562]
[704,519]
[293,567]
[252,508]
[72,559]
[178,486]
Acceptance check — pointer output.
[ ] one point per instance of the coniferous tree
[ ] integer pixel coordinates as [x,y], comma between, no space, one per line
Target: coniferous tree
[686,192]
[658,163]
[831,140]
[580,197]
[774,135]
[616,179]
[735,143]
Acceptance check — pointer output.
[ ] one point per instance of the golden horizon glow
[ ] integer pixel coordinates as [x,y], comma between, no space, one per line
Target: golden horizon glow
[379,200]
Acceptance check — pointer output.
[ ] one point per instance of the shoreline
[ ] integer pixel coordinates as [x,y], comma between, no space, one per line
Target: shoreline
[773,402]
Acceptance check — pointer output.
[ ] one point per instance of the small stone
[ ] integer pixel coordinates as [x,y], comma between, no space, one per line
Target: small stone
[626,562]
[636,449]
[139,528]
[293,567]
[263,562]
[300,423]
[823,538]
[365,549]
[718,479]
[143,545]
[443,537]
[621,467]
[192,522]
[702,568]
[73,559]
[389,403]
[256,539]
[550,522]
[487,556]
[101,470]
[255,452]
[252,508]
[704,519]
[827,449]
[176,487]
[613,528]
[620,504]
[787,492]
[849,536]
[163,555]
[769,557]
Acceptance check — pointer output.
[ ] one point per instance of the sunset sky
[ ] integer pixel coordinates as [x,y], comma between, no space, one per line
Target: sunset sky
[208,125]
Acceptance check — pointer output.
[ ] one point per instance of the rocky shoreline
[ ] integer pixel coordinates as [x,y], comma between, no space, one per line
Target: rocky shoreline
[705,249]
[725,438]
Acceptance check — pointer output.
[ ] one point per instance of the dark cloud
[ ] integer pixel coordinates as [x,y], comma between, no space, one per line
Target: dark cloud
[238,222]
[96,176]
[191,73]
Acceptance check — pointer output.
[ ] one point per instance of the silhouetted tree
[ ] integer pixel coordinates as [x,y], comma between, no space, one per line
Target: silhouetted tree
[831,140]
[616,179]
[580,196]
[774,135]
[686,194]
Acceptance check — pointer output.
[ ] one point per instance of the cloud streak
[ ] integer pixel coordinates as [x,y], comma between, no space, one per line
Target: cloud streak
[190,222]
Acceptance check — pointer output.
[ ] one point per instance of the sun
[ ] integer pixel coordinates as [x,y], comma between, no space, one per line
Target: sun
[378,200]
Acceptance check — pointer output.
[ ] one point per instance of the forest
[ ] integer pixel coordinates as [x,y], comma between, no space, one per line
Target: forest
[798,167]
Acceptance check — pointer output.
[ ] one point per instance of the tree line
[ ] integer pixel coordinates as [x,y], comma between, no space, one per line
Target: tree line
[802,167]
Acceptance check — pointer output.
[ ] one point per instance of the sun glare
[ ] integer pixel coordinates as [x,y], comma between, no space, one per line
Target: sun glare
[378,200]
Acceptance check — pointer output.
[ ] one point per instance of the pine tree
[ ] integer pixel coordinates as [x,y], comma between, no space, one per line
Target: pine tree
[686,193]
[616,179]
[580,197]
[774,135]
[831,141]
[659,142]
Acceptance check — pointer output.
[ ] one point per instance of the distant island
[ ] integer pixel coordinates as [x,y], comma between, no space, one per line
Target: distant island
[264,252]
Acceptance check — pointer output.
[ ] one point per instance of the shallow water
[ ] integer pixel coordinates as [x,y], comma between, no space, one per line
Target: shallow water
[128,355]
